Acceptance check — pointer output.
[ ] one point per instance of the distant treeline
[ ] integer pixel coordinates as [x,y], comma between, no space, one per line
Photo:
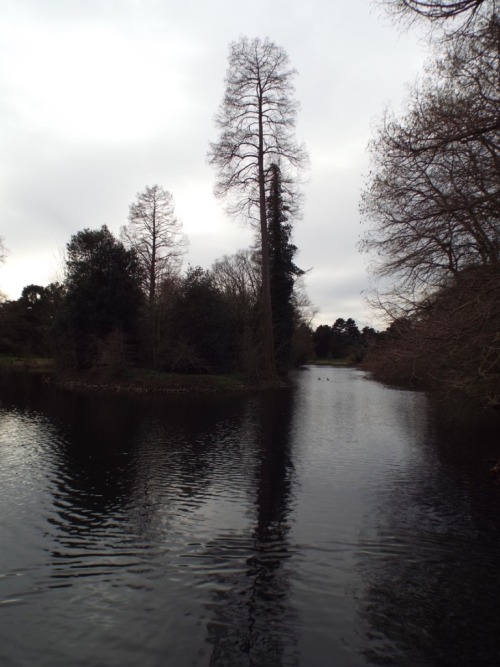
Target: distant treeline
[343,340]
[125,301]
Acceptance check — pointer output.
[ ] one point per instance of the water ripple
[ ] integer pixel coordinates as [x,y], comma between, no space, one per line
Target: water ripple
[324,525]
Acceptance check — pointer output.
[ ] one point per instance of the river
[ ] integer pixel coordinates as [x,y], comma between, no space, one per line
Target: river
[332,523]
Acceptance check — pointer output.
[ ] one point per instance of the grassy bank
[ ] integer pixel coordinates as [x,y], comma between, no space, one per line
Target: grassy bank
[133,380]
[37,364]
[331,362]
[143,381]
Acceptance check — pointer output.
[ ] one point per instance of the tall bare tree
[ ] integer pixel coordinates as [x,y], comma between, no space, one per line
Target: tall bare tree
[156,235]
[256,120]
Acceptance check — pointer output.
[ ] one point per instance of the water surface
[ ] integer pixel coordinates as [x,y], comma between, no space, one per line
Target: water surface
[328,524]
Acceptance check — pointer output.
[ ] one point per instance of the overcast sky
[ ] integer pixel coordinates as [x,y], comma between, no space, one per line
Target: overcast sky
[99,98]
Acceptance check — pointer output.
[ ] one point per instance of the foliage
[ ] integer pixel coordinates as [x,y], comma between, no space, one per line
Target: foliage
[302,348]
[27,325]
[103,299]
[345,337]
[343,340]
[157,323]
[200,338]
[283,271]
[321,341]
[100,327]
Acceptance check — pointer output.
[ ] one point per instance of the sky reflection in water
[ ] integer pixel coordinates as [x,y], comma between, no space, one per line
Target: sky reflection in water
[327,524]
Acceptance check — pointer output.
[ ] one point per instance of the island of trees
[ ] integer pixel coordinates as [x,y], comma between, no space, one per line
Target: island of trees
[124,302]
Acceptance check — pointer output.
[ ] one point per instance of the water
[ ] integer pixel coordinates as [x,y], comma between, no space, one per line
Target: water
[330,524]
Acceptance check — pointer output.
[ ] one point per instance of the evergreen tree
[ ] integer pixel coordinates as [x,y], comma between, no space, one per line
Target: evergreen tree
[321,340]
[202,331]
[103,299]
[282,269]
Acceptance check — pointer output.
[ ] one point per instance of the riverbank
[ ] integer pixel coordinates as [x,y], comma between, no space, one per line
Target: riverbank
[134,380]
[35,364]
[332,362]
[140,381]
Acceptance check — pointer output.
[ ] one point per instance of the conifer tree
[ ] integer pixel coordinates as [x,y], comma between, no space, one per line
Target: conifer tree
[282,269]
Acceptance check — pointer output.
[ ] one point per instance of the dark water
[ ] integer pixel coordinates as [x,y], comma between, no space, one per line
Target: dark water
[326,525]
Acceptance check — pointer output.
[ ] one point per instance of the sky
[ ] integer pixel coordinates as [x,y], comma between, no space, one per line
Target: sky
[100,98]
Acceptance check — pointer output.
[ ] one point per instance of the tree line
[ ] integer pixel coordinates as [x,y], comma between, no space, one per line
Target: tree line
[124,302]
[432,204]
[202,321]
[343,340]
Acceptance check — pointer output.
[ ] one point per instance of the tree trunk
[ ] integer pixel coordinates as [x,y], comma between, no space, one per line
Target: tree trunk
[267,316]
[152,275]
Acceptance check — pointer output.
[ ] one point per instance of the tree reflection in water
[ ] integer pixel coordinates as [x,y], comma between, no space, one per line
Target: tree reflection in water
[162,528]
[133,486]
[252,622]
[431,572]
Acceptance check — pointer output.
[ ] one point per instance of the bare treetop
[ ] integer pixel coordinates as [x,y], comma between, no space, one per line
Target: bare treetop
[257,120]
[156,235]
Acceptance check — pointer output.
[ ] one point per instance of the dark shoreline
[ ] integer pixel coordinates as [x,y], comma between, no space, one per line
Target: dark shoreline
[149,383]
[135,380]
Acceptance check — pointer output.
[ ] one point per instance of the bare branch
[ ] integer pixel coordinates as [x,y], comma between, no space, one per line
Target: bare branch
[3,251]
[452,18]
[433,196]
